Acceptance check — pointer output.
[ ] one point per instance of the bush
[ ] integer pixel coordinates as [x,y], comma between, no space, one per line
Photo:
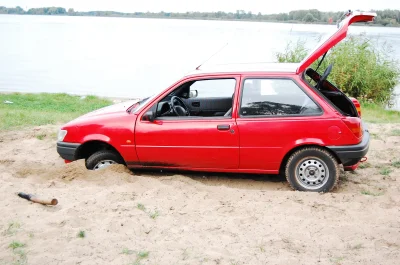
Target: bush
[360,70]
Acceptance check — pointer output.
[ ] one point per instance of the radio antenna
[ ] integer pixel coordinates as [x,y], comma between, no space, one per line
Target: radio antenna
[198,67]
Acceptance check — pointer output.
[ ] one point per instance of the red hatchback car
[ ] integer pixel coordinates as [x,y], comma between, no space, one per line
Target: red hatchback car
[248,118]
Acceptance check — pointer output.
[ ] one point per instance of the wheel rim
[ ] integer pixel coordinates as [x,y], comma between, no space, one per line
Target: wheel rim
[103,164]
[312,173]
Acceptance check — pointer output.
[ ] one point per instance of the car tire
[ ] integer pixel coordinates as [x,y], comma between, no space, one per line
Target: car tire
[312,169]
[102,159]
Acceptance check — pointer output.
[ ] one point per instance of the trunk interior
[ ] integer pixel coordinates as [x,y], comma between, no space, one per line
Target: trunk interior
[336,97]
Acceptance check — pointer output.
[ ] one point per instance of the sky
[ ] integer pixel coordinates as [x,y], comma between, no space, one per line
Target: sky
[255,6]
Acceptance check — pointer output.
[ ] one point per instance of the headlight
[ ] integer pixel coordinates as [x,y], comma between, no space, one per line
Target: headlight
[61,135]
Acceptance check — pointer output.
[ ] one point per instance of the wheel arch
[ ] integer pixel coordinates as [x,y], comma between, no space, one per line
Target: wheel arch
[293,150]
[88,148]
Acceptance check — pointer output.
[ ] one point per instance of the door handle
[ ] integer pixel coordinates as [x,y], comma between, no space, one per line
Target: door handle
[223,127]
[196,104]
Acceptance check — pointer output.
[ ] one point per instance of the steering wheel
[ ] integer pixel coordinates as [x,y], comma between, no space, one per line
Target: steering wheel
[325,75]
[179,107]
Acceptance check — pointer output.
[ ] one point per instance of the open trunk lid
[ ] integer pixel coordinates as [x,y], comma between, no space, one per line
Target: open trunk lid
[338,35]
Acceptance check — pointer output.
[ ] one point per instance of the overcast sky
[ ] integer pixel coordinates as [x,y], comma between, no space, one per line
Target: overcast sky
[263,6]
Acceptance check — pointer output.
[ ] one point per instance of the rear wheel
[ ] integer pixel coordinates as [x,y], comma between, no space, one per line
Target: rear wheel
[312,169]
[103,159]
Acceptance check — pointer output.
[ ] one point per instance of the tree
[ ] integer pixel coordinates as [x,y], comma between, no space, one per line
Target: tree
[309,18]
[71,11]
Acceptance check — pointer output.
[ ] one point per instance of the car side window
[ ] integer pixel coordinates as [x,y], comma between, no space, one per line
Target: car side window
[275,97]
[213,88]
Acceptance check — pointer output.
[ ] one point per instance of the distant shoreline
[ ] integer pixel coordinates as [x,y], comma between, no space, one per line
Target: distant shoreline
[385,18]
[211,19]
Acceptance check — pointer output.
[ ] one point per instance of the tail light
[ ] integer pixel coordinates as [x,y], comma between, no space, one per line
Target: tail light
[358,106]
[355,126]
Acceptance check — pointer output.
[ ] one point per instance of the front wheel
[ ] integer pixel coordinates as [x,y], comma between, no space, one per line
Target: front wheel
[103,159]
[312,169]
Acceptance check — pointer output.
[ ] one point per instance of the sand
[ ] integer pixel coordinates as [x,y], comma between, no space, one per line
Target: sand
[193,218]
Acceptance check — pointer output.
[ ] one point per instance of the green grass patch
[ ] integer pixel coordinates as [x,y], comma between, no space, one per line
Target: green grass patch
[370,193]
[154,215]
[12,228]
[81,234]
[385,171]
[44,108]
[395,132]
[365,165]
[127,251]
[396,163]
[376,113]
[41,136]
[139,256]
[15,244]
[141,207]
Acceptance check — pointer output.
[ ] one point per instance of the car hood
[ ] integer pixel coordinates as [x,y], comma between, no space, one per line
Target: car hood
[337,35]
[115,108]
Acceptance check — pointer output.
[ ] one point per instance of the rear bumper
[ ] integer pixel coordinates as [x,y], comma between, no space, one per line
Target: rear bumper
[352,154]
[67,150]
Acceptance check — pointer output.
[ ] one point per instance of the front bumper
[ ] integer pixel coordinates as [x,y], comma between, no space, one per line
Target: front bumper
[352,154]
[67,150]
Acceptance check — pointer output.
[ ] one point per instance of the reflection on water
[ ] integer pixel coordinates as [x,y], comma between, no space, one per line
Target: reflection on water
[120,57]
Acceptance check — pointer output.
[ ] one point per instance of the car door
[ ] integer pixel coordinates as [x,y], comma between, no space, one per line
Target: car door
[275,115]
[189,142]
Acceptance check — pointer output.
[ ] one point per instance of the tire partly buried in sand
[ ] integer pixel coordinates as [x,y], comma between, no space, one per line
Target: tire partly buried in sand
[102,159]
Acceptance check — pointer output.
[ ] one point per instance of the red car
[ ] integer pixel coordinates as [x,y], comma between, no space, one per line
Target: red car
[247,118]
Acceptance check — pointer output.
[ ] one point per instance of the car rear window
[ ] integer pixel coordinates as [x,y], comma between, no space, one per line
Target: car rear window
[272,97]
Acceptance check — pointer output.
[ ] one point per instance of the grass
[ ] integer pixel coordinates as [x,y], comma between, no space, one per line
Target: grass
[15,244]
[127,251]
[396,163]
[370,193]
[337,260]
[154,215]
[385,171]
[81,234]
[44,108]
[139,256]
[12,228]
[141,207]
[376,113]
[365,165]
[41,136]
[18,250]
[143,254]
[395,132]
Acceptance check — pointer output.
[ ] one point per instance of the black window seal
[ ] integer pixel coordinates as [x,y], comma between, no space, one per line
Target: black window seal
[277,116]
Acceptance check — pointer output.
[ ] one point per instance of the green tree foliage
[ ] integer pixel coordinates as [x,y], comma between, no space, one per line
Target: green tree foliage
[362,68]
[47,11]
[309,18]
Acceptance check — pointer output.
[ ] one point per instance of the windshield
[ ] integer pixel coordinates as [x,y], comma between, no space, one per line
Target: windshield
[140,104]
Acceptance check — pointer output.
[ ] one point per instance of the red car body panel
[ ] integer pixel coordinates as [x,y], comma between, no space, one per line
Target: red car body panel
[229,144]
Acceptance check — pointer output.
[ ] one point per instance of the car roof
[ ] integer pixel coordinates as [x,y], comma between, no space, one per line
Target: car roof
[238,68]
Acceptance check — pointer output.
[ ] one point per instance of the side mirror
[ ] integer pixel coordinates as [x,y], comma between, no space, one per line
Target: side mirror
[149,116]
[193,93]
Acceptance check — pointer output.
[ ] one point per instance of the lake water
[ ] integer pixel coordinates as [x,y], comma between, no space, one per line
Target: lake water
[133,58]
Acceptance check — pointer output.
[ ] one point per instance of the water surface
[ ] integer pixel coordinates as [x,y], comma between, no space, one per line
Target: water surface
[126,57]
